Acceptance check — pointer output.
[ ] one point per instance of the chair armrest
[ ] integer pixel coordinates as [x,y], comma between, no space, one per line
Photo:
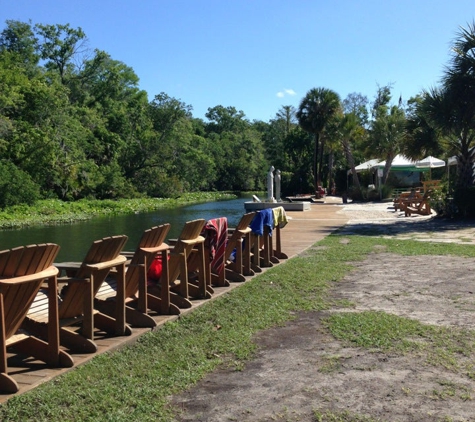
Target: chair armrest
[47,273]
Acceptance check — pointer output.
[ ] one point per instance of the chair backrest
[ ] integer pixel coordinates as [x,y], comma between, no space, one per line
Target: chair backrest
[241,229]
[263,218]
[191,230]
[149,245]
[22,271]
[189,237]
[245,221]
[425,199]
[104,251]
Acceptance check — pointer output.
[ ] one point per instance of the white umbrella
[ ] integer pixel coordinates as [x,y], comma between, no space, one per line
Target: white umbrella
[430,163]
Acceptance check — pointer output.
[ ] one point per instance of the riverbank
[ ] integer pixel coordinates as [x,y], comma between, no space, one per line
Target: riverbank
[54,211]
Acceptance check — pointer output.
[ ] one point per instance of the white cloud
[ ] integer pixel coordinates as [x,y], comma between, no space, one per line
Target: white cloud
[282,94]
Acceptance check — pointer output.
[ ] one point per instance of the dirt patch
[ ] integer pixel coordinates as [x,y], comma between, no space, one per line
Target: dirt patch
[300,368]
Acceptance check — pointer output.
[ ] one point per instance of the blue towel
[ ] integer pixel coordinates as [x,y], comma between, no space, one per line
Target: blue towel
[263,218]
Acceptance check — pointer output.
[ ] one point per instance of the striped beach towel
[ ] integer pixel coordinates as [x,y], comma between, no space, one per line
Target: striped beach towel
[216,236]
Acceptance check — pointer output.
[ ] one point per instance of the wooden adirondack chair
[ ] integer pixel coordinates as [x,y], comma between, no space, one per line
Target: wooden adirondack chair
[261,246]
[280,221]
[239,245]
[82,282]
[138,299]
[266,226]
[22,272]
[421,206]
[407,199]
[189,242]
[215,233]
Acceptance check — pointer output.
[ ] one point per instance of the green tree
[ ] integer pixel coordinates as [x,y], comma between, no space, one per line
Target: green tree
[447,113]
[299,147]
[237,149]
[353,131]
[350,130]
[59,45]
[16,186]
[274,134]
[19,39]
[387,129]
[315,113]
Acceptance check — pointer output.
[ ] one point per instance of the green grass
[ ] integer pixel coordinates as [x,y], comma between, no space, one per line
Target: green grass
[340,417]
[135,383]
[54,211]
[390,333]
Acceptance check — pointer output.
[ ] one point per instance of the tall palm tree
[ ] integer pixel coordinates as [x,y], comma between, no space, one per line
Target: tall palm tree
[316,110]
[349,130]
[287,114]
[452,107]
[388,132]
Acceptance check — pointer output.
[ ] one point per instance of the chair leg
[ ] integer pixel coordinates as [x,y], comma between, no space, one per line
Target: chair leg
[156,304]
[133,316]
[40,349]
[72,340]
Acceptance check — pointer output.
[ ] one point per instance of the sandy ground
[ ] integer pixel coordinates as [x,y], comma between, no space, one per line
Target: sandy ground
[300,368]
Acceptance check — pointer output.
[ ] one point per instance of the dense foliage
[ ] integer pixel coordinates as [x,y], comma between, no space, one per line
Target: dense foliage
[74,124]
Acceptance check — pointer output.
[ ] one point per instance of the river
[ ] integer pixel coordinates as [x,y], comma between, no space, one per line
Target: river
[76,238]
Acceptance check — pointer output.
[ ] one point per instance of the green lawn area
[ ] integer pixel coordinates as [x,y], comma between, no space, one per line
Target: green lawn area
[135,382]
[54,211]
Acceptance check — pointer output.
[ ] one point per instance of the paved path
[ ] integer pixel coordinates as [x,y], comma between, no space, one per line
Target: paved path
[303,230]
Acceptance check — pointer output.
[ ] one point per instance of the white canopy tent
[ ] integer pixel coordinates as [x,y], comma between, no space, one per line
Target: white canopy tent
[430,163]
[401,163]
[367,165]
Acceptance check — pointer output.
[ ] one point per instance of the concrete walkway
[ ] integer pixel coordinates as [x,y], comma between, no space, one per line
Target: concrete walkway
[303,230]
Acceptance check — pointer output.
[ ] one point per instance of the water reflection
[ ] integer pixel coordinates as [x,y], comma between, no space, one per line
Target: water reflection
[76,238]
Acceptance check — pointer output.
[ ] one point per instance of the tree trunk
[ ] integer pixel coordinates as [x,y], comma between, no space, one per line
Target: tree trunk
[315,160]
[320,162]
[387,168]
[330,172]
[351,163]
[465,163]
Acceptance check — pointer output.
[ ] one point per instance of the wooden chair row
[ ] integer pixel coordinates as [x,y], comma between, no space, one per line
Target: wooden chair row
[49,310]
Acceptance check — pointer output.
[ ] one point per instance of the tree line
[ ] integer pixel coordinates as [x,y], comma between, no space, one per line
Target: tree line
[74,124]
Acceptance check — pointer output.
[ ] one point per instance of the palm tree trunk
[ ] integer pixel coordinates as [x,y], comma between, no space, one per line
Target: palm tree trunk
[351,163]
[315,160]
[320,163]
[330,172]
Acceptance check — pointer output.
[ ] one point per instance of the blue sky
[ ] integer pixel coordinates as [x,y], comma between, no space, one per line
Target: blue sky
[258,55]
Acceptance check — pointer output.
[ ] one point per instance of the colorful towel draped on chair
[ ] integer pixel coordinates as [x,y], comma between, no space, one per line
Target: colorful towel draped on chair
[263,218]
[215,233]
[280,217]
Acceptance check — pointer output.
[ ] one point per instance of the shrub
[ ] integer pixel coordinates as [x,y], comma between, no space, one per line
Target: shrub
[464,200]
[16,186]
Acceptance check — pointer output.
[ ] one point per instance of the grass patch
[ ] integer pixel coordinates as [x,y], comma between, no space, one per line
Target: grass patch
[54,211]
[328,416]
[135,383]
[440,346]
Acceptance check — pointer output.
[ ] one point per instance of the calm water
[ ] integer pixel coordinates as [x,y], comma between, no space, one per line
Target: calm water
[76,238]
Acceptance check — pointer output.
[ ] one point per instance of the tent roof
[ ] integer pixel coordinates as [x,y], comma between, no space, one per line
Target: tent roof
[402,163]
[367,165]
[430,162]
